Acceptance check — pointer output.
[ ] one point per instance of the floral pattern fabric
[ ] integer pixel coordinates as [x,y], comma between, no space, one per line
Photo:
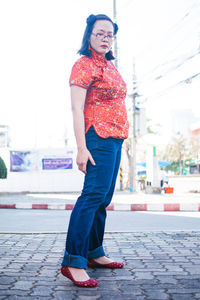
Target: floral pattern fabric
[105,99]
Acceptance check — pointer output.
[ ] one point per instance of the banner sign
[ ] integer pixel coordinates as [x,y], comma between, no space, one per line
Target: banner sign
[37,160]
[23,161]
[57,163]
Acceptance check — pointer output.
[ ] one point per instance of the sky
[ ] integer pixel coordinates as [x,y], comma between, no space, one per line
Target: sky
[39,42]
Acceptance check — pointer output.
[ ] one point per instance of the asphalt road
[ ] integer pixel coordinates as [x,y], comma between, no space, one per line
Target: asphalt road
[18,221]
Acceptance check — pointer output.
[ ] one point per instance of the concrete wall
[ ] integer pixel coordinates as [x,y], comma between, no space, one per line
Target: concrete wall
[64,180]
[47,181]
[184,184]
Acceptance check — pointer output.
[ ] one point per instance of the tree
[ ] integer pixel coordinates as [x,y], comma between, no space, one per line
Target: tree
[194,147]
[177,151]
[3,169]
[153,128]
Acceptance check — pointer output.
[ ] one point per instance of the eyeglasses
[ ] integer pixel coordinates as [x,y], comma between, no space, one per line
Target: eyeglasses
[101,36]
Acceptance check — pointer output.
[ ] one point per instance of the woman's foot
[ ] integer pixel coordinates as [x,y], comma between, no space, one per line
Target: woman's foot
[78,276]
[104,262]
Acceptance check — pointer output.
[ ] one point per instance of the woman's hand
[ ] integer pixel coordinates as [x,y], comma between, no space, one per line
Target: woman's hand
[82,158]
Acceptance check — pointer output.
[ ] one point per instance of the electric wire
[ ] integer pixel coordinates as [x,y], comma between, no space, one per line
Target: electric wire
[166,62]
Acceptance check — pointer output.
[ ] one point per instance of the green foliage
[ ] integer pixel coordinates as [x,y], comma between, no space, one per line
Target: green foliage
[153,128]
[181,152]
[178,168]
[3,169]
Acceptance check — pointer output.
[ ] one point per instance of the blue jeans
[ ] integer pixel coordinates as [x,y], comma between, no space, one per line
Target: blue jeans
[87,221]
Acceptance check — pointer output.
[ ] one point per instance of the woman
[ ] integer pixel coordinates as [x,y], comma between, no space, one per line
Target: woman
[100,125]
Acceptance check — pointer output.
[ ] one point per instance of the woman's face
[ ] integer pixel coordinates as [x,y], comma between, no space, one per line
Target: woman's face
[101,38]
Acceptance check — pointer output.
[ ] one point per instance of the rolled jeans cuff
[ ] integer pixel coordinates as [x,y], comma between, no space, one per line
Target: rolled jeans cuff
[75,261]
[96,253]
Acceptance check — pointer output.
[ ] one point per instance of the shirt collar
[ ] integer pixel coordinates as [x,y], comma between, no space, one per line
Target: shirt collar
[99,59]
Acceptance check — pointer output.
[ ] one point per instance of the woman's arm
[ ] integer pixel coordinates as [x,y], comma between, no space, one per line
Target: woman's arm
[78,96]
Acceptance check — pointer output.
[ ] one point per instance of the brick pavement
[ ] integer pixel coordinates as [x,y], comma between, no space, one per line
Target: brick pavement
[158,265]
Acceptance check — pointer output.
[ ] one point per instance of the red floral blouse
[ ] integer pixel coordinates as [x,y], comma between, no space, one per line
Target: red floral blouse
[105,99]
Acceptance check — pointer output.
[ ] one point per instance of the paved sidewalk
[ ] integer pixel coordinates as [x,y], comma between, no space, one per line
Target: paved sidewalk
[158,265]
[122,201]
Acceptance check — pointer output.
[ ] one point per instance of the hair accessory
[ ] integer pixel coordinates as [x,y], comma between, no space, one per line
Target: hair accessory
[89,48]
[91,19]
[111,52]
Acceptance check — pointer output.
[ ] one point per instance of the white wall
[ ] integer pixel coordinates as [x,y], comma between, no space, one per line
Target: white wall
[66,180]
[42,181]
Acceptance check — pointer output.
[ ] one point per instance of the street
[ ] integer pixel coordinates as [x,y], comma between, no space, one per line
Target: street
[19,221]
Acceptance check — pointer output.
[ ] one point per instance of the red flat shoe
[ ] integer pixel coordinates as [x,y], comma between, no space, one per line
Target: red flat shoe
[87,283]
[113,265]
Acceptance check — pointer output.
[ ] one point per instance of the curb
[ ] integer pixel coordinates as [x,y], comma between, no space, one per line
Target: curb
[113,207]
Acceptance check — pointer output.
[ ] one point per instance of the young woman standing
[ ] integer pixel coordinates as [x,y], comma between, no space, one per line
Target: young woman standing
[100,125]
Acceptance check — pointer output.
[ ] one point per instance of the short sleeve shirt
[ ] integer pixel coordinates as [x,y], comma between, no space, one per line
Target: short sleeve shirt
[105,107]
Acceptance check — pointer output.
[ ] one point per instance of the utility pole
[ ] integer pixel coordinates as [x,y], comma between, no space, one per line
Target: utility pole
[133,142]
[116,65]
[115,42]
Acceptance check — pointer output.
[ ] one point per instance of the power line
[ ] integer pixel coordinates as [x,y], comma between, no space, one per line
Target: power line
[146,76]
[173,29]
[190,13]
[178,65]
[187,80]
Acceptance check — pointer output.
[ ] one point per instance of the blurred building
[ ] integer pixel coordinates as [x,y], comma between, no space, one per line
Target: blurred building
[195,134]
[195,138]
[4,136]
[195,130]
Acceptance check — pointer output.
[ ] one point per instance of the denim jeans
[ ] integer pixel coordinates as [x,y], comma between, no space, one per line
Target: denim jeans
[87,221]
